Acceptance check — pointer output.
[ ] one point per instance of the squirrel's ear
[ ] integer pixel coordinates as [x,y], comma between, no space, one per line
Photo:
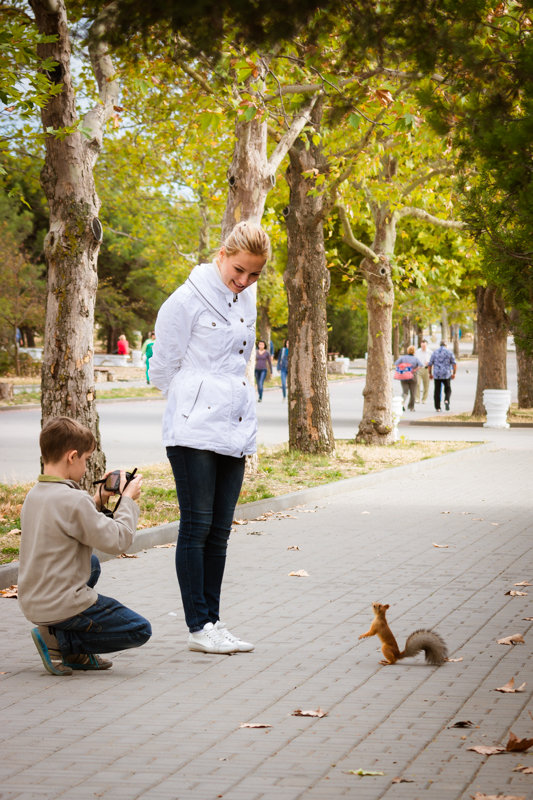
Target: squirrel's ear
[386,608]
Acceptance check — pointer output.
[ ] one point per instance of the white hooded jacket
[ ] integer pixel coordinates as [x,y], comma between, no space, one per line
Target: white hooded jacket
[204,337]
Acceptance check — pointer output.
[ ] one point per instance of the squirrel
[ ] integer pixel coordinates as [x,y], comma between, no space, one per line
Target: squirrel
[429,641]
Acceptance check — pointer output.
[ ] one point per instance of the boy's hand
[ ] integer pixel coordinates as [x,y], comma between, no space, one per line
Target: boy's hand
[102,495]
[133,489]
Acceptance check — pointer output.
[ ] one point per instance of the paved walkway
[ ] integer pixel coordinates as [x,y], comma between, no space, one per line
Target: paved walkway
[164,723]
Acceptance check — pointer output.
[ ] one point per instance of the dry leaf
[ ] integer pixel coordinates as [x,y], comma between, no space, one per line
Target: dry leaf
[301,573]
[516,638]
[481,796]
[161,546]
[365,512]
[240,522]
[361,772]
[515,593]
[293,547]
[523,583]
[402,780]
[510,687]
[255,533]
[318,713]
[127,555]
[527,619]
[11,591]
[496,524]
[446,512]
[454,660]
[254,725]
[462,723]
[306,510]
[487,751]
[525,770]
[516,745]
[479,519]
[14,531]
[440,545]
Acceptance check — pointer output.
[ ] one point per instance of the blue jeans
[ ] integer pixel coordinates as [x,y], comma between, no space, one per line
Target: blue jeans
[208,486]
[104,627]
[283,373]
[260,375]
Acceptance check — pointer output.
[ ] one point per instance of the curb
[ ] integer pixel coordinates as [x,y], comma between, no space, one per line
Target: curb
[167,533]
[458,424]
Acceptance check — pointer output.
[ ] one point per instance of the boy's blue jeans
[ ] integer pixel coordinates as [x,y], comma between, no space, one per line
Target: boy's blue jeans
[104,627]
[260,375]
[208,486]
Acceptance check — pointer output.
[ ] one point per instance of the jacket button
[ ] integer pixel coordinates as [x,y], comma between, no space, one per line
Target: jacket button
[244,383]
[242,319]
[241,351]
[240,419]
[214,324]
[244,343]
[229,305]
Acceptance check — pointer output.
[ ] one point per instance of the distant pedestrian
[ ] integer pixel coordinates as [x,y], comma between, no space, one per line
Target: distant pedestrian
[406,368]
[422,387]
[123,348]
[283,366]
[148,351]
[205,336]
[263,364]
[442,368]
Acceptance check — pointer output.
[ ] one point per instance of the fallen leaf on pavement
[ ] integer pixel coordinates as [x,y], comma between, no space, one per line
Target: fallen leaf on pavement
[484,750]
[14,531]
[481,796]
[402,780]
[516,638]
[523,583]
[361,772]
[515,593]
[454,660]
[11,591]
[510,687]
[318,713]
[254,725]
[306,510]
[447,512]
[528,619]
[516,745]
[440,545]
[293,547]
[365,512]
[127,555]
[462,723]
[525,770]
[301,573]
[161,546]
[255,533]
[240,522]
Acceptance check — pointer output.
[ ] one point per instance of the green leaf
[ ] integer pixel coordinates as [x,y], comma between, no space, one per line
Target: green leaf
[354,121]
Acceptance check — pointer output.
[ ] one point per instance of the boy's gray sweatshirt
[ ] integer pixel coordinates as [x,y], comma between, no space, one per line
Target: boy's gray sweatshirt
[60,525]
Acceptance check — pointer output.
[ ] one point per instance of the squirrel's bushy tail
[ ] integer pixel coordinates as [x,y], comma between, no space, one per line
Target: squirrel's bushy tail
[430,642]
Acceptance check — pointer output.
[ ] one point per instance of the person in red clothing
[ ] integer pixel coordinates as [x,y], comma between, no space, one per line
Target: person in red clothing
[123,348]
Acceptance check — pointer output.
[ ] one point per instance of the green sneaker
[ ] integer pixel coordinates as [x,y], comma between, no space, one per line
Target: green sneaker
[50,656]
[86,661]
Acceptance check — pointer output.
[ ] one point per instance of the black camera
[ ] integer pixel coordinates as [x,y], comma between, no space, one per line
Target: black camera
[112,482]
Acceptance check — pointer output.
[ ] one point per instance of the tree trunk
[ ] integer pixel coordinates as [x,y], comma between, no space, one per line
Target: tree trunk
[524,363]
[474,339]
[492,329]
[73,241]
[455,340]
[264,328]
[396,342]
[406,330]
[307,281]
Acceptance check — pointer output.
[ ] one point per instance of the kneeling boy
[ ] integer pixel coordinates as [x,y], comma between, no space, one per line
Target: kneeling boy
[60,525]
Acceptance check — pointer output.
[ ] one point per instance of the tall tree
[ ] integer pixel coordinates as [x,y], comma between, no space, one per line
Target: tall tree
[73,241]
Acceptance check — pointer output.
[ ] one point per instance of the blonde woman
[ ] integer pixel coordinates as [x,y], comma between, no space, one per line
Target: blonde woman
[205,333]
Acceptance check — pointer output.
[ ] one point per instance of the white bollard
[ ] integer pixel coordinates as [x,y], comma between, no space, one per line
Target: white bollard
[397,411]
[496,402]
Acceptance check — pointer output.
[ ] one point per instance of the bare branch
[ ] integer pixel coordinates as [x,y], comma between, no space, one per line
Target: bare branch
[419,213]
[104,72]
[287,140]
[350,239]
[425,178]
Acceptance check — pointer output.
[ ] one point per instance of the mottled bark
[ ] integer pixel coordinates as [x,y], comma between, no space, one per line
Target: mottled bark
[73,240]
[524,363]
[396,342]
[492,330]
[307,281]
[454,329]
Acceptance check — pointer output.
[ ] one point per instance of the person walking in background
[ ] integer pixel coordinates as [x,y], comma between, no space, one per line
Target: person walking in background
[442,368]
[406,368]
[148,352]
[263,362]
[422,386]
[283,367]
[123,348]
[205,334]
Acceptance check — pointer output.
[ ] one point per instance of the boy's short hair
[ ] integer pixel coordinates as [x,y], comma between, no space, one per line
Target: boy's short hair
[61,434]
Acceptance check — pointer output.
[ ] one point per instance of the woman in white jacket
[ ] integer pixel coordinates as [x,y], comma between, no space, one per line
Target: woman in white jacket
[205,333]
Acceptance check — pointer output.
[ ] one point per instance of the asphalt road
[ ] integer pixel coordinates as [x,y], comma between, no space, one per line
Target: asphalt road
[131,430]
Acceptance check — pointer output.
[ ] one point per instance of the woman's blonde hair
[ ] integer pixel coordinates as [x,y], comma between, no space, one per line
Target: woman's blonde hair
[247,237]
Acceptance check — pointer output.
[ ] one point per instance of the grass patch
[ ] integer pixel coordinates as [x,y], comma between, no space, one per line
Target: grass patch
[280,472]
[515,414]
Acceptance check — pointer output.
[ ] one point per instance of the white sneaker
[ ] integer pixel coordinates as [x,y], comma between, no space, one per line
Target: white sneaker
[210,640]
[238,644]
